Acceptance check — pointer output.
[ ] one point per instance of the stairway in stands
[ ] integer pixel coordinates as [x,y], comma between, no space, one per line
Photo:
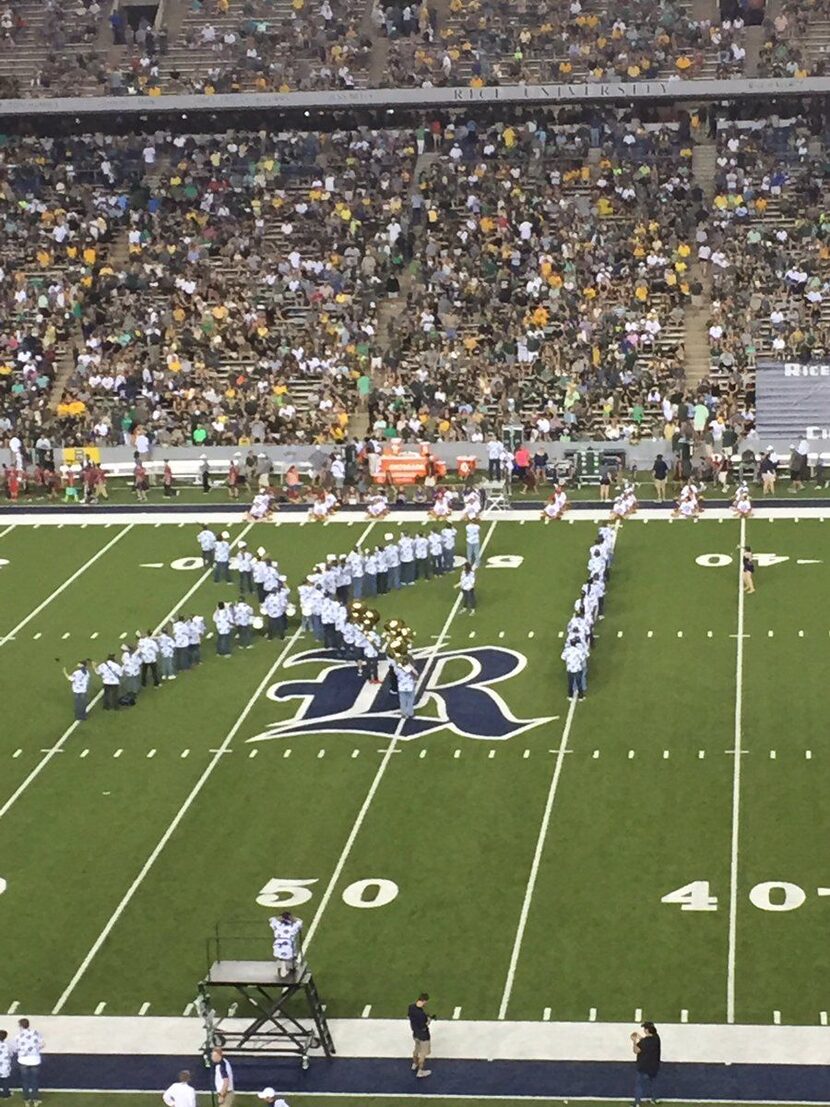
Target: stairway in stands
[696,322]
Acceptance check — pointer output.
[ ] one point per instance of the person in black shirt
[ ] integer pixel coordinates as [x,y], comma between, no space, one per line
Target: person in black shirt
[660,470]
[647,1054]
[419,1022]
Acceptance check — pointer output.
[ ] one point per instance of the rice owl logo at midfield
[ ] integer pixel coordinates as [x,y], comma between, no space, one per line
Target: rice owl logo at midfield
[337,700]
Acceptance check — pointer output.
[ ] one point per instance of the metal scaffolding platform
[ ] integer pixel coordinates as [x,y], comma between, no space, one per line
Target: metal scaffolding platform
[263,995]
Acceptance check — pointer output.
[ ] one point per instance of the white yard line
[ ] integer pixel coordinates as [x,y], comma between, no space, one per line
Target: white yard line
[70,730]
[61,588]
[7,530]
[736,791]
[540,845]
[387,757]
[188,803]
[537,859]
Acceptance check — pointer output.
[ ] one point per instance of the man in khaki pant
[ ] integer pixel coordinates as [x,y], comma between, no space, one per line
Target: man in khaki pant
[419,1022]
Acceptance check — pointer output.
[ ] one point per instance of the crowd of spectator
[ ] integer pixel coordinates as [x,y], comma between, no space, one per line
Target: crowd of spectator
[263,287]
[768,250]
[516,41]
[300,45]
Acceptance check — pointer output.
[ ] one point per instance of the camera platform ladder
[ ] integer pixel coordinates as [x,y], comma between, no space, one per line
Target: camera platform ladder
[271,1014]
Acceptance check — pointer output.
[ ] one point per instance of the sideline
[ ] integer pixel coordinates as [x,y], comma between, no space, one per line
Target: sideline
[462,1039]
[524,514]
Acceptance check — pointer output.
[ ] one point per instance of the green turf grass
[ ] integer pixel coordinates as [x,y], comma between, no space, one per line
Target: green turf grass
[457,835]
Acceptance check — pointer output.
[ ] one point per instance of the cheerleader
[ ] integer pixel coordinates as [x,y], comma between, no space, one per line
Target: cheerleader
[323,507]
[440,505]
[688,505]
[556,506]
[472,506]
[377,506]
[742,504]
[261,507]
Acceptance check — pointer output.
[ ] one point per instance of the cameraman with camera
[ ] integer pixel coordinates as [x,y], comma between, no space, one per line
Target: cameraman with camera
[419,1021]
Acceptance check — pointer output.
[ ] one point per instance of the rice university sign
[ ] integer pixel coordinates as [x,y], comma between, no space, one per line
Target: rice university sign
[793,401]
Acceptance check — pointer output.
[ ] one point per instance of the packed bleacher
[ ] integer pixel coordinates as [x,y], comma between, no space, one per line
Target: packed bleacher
[93,47]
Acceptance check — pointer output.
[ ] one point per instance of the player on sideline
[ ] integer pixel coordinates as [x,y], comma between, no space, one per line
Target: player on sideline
[556,506]
[742,504]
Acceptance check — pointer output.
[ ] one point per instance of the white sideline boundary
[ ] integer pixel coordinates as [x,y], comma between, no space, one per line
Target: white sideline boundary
[73,517]
[489,1040]
[439,1096]
[126,899]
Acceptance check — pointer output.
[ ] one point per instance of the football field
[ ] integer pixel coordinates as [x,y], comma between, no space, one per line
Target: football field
[658,849]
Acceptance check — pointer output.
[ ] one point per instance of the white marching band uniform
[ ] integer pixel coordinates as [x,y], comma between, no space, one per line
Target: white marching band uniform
[324,506]
[286,931]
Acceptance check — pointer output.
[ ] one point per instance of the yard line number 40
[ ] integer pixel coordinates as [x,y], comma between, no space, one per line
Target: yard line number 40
[769,895]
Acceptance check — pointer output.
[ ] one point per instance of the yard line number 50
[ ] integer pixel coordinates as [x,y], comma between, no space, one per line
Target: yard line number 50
[287,892]
[769,895]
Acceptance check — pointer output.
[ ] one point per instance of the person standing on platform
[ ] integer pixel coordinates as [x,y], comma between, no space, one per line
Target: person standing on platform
[180,1094]
[207,544]
[222,558]
[286,929]
[419,1022]
[222,1078]
[28,1047]
[110,673]
[647,1053]
[79,679]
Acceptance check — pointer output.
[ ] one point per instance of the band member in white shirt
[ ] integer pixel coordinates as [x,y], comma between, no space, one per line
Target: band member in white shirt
[110,673]
[207,544]
[223,621]
[148,651]
[181,637]
[79,679]
[243,616]
[467,584]
[167,651]
[222,558]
